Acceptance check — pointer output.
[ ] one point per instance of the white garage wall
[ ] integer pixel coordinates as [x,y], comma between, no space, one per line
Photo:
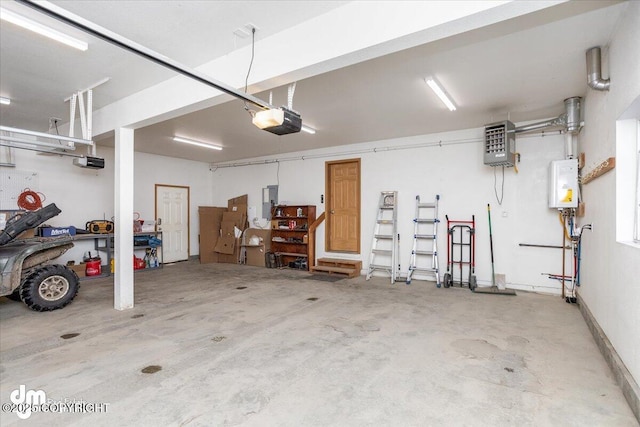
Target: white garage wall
[87,194]
[456,172]
[612,269]
[81,194]
[151,170]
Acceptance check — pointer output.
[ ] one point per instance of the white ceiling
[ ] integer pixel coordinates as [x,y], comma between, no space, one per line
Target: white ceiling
[520,69]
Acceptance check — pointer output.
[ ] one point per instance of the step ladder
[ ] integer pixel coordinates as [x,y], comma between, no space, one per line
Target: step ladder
[424,254]
[384,248]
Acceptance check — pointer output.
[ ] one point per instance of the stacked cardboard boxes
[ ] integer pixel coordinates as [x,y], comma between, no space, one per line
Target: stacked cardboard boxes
[221,229]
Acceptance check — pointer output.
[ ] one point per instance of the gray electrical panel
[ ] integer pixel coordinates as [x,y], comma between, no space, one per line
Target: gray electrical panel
[500,144]
[269,200]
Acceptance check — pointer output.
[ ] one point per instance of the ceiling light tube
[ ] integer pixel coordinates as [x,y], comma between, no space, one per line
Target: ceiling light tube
[36,27]
[44,135]
[308,129]
[441,94]
[4,101]
[197,143]
[35,143]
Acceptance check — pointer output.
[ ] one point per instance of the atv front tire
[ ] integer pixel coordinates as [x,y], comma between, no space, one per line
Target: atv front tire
[50,288]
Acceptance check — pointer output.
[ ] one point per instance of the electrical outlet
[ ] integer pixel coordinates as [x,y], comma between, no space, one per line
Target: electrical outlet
[505,214]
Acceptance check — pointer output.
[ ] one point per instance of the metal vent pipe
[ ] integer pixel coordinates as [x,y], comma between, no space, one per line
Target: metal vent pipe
[572,110]
[594,70]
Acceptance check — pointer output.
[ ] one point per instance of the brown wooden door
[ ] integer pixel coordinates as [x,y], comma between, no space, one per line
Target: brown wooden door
[343,206]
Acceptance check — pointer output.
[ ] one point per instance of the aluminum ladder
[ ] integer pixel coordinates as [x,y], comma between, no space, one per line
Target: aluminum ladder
[384,248]
[424,253]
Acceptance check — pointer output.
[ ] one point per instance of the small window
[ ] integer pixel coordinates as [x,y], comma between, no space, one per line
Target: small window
[628,176]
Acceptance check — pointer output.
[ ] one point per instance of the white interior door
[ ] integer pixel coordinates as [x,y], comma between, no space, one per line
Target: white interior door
[172,218]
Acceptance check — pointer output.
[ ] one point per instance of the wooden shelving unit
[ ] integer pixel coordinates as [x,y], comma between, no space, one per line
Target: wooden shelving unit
[290,234]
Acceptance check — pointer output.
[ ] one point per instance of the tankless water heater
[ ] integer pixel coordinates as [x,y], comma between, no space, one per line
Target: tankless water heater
[563,184]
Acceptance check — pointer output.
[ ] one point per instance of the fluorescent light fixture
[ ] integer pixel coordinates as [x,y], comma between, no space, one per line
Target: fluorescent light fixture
[308,129]
[441,94]
[4,101]
[198,143]
[268,118]
[36,27]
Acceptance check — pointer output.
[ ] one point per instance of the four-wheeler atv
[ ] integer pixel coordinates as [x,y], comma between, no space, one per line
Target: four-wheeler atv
[25,272]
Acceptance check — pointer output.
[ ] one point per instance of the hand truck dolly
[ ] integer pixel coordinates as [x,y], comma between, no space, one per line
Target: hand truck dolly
[461,253]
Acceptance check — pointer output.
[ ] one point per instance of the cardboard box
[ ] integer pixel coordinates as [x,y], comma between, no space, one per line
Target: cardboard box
[148,225]
[226,245]
[239,205]
[218,240]
[238,219]
[264,236]
[80,269]
[210,222]
[233,204]
[26,234]
[255,255]
[232,258]
[227,240]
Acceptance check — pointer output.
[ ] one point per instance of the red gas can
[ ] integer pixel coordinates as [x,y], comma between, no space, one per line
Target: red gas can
[93,267]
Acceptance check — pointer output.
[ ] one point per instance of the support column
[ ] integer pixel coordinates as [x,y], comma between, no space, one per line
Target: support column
[123,185]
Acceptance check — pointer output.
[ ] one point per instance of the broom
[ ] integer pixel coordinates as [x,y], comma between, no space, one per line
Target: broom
[493,289]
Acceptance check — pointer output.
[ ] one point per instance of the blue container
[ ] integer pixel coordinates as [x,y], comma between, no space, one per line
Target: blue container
[57,231]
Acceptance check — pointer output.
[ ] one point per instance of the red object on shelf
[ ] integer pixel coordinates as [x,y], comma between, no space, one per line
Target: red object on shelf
[93,268]
[138,263]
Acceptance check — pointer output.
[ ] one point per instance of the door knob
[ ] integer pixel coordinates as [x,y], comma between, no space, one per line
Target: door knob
[332,211]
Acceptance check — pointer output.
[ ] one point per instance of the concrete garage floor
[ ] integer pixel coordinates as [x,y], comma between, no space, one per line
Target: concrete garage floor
[363,353]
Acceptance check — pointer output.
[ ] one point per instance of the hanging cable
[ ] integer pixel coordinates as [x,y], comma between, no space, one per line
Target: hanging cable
[30,200]
[495,186]
[290,91]
[246,80]
[55,123]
